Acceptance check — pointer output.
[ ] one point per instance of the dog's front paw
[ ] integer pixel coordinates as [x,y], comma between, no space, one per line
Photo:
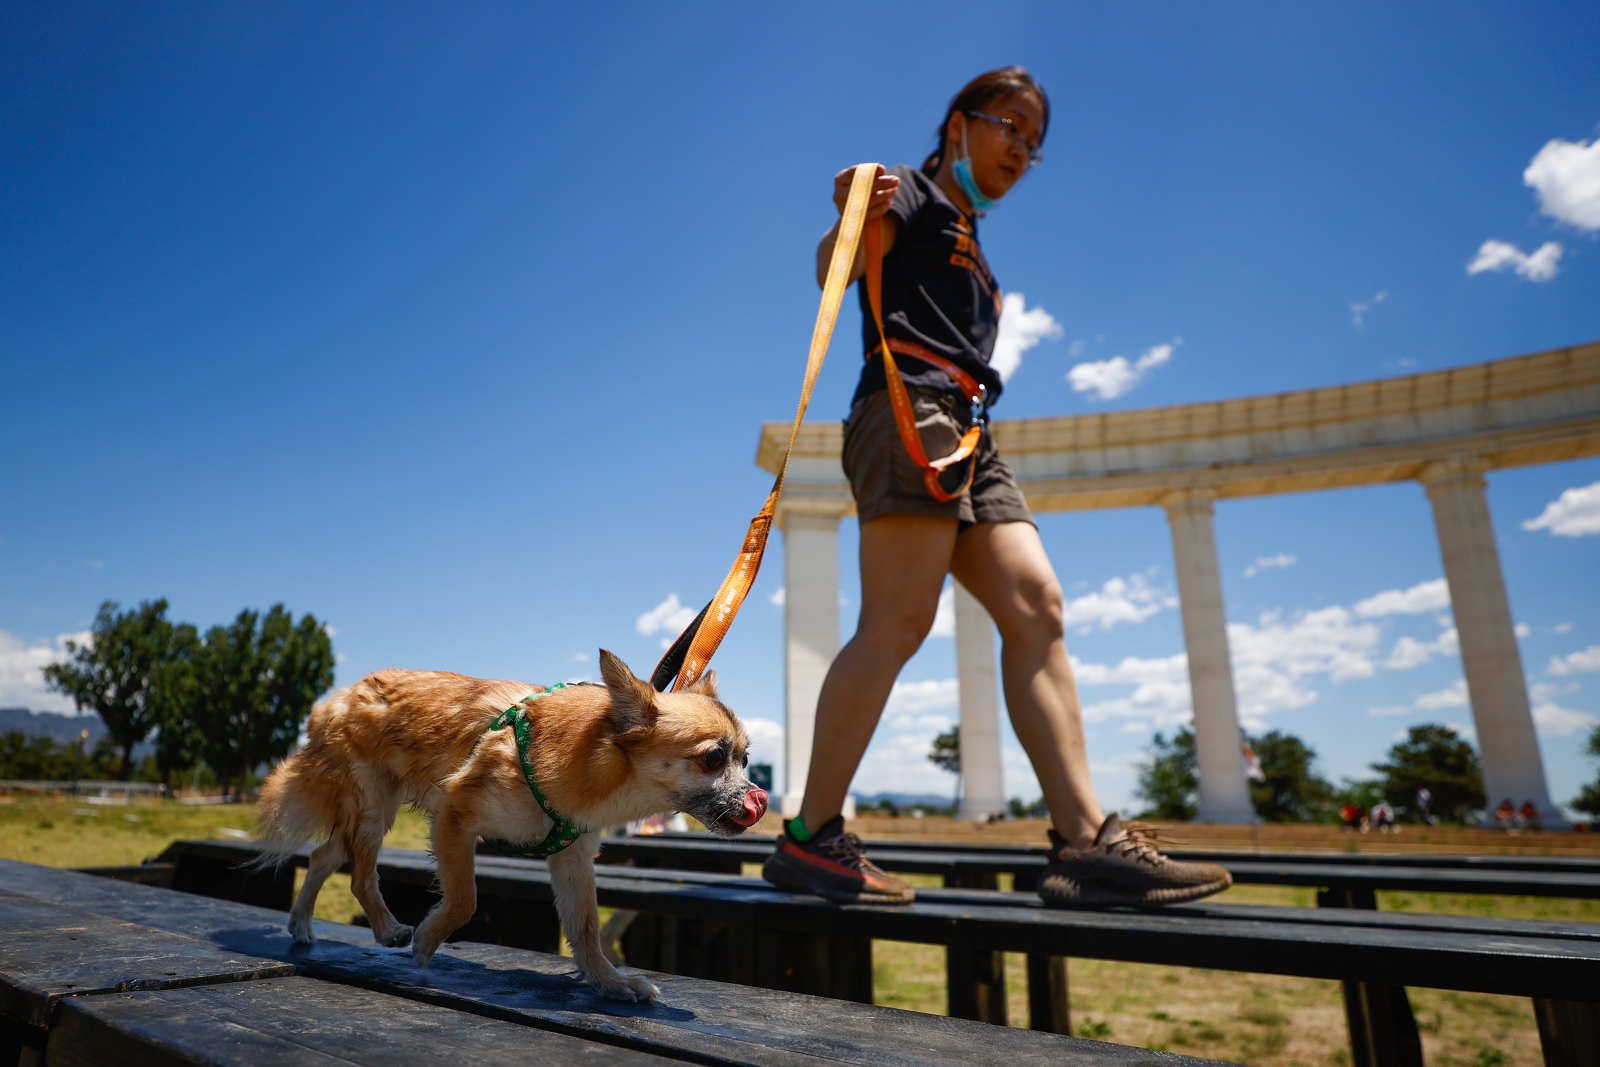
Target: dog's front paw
[422,953]
[621,987]
[300,931]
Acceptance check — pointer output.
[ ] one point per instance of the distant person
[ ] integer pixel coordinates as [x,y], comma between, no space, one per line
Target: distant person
[1505,815]
[941,309]
[1528,816]
[1383,817]
[1350,815]
[1425,804]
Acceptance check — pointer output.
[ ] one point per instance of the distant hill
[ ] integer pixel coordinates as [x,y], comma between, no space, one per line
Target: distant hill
[52,724]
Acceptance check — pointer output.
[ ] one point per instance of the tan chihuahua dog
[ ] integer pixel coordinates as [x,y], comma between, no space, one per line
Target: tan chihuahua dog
[601,755]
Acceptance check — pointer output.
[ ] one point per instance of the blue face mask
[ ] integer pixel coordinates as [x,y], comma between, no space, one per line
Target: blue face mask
[962,170]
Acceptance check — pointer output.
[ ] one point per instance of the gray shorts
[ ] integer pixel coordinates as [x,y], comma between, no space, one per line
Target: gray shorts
[885,481]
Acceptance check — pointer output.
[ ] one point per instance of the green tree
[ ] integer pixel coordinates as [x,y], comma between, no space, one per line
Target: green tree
[256,680]
[114,672]
[174,696]
[1433,756]
[1588,801]
[1169,782]
[946,755]
[1292,791]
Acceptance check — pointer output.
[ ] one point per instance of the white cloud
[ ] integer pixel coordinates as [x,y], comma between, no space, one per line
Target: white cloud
[1566,176]
[1020,329]
[1561,628]
[22,672]
[1580,662]
[1359,308]
[766,740]
[670,616]
[1409,652]
[923,696]
[897,762]
[1266,563]
[1552,720]
[1076,348]
[1540,265]
[1131,599]
[1543,692]
[1326,641]
[1452,696]
[1273,660]
[1575,513]
[1424,596]
[1110,378]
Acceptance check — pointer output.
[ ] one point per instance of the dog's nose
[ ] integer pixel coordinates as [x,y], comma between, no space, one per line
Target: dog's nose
[755,806]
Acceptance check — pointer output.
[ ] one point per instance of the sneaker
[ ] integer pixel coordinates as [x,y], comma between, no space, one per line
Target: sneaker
[1122,866]
[831,865]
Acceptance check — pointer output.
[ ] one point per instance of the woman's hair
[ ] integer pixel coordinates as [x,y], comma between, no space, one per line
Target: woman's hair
[978,94]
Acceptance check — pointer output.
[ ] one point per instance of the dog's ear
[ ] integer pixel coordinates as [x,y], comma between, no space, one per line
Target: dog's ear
[633,701]
[705,685]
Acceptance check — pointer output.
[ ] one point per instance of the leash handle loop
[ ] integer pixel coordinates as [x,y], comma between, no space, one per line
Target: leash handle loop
[686,660]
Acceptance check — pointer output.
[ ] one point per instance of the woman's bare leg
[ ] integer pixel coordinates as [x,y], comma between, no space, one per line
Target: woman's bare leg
[1005,567]
[904,559]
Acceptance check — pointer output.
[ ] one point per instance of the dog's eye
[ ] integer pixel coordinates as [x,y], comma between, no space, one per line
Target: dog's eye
[714,761]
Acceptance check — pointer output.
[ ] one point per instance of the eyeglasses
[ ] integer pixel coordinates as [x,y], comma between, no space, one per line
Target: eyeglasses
[1012,134]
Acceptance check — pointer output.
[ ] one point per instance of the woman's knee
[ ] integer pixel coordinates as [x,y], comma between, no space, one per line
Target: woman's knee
[896,635]
[1036,612]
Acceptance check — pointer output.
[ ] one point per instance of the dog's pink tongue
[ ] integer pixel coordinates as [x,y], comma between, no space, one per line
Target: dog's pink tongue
[755,806]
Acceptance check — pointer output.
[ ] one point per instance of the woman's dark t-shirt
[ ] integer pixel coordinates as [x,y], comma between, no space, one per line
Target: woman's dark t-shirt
[937,291]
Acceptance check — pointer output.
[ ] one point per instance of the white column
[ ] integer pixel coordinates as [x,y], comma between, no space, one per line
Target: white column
[1508,748]
[983,790]
[810,633]
[1224,796]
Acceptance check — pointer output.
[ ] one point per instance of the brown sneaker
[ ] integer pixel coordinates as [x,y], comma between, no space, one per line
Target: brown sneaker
[831,865]
[1122,866]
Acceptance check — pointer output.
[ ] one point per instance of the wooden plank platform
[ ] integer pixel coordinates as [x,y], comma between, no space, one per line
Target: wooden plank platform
[695,1019]
[304,1021]
[1552,876]
[742,929]
[51,952]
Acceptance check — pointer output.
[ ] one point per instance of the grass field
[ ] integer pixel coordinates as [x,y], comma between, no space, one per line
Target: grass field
[1226,1015]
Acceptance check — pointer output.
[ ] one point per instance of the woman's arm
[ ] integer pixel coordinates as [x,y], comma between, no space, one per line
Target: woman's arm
[883,189]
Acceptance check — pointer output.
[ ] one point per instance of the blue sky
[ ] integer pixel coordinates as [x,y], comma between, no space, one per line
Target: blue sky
[456,325]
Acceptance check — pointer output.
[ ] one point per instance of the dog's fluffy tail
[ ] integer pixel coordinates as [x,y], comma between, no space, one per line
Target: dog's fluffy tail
[296,807]
[287,817]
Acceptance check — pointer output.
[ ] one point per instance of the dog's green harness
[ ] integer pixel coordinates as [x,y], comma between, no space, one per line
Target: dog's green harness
[564,831]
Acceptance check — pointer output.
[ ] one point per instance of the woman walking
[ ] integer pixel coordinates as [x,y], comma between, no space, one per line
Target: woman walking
[941,312]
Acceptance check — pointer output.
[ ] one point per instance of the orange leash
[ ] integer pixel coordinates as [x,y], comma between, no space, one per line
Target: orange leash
[905,419]
[686,660]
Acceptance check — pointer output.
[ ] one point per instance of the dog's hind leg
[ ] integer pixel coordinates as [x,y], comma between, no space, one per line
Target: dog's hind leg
[453,847]
[324,861]
[364,845]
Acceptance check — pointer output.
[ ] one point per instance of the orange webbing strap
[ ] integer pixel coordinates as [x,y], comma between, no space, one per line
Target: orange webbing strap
[686,660]
[905,419]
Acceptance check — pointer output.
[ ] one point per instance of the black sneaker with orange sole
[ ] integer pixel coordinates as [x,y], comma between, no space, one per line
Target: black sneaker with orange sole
[832,865]
[1123,866]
